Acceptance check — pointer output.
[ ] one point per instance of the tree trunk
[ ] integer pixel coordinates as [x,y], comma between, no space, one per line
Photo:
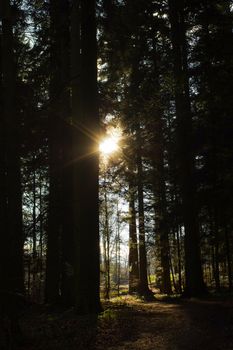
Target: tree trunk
[60,261]
[106,239]
[215,231]
[86,168]
[53,267]
[133,244]
[193,269]
[13,236]
[229,259]
[179,258]
[118,253]
[161,206]
[34,233]
[67,234]
[161,216]
[143,279]
[159,186]
[3,193]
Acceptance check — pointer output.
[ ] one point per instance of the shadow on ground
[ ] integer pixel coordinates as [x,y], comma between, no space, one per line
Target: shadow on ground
[130,324]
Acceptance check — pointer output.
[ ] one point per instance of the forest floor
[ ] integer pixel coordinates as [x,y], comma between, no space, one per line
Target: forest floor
[131,324]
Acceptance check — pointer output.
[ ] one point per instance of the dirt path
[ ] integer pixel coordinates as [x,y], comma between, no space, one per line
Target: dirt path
[134,325]
[187,325]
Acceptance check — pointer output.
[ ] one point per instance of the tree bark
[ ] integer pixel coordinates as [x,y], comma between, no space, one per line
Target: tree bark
[53,266]
[143,279]
[13,241]
[3,194]
[229,259]
[133,243]
[86,169]
[159,186]
[67,234]
[193,269]
[106,240]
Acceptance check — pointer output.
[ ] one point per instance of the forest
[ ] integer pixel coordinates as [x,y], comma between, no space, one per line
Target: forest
[116,174]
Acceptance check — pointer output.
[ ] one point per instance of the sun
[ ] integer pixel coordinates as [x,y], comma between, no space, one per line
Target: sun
[109,145]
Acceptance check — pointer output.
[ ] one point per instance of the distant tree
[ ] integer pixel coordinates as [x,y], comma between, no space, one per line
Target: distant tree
[106,240]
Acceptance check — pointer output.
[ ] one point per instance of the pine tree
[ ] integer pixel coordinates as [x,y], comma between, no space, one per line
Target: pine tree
[86,211]
[12,239]
[193,269]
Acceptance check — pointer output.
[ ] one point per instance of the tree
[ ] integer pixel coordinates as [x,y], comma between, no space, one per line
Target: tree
[158,173]
[133,242]
[60,261]
[212,76]
[86,122]
[12,236]
[55,159]
[143,278]
[194,279]
[165,73]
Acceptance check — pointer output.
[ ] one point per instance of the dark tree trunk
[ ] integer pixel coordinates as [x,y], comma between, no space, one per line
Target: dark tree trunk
[162,227]
[67,235]
[215,231]
[229,258]
[133,244]
[118,253]
[106,241]
[60,257]
[159,186]
[193,269]
[34,233]
[179,258]
[13,236]
[143,279]
[53,268]
[86,168]
[34,238]
[3,194]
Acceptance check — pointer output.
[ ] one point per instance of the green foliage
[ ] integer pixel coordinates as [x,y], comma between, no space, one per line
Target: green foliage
[108,315]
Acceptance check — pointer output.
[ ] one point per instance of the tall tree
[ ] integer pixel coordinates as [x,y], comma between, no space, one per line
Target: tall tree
[60,261]
[143,278]
[133,242]
[212,75]
[67,236]
[158,172]
[193,270]
[13,235]
[86,167]
[55,160]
